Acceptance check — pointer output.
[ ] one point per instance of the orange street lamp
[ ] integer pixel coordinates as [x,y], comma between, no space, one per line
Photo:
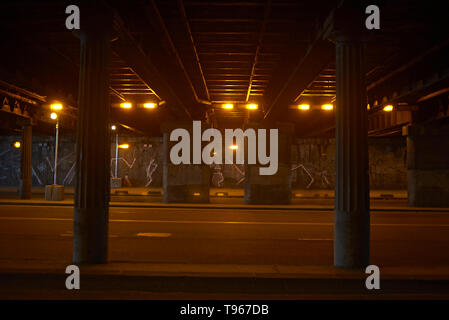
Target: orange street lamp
[56,106]
[126,105]
[388,108]
[149,105]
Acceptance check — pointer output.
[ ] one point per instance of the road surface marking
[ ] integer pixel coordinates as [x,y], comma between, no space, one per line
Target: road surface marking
[155,235]
[36,219]
[231,222]
[71,235]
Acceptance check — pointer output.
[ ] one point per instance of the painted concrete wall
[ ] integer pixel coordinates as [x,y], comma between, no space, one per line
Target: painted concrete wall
[141,164]
[42,161]
[313,163]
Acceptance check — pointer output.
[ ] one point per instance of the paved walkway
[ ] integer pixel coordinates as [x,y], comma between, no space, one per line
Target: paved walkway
[172,281]
[395,207]
[226,270]
[216,192]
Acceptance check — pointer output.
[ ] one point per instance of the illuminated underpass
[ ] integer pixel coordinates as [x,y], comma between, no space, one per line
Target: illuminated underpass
[251,105]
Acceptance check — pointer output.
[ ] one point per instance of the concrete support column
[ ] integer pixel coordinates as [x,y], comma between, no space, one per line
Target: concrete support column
[25,162]
[277,188]
[352,220]
[93,144]
[183,183]
[427,166]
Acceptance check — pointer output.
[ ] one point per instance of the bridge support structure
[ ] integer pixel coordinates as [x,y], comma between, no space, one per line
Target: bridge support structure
[25,162]
[351,217]
[276,188]
[92,189]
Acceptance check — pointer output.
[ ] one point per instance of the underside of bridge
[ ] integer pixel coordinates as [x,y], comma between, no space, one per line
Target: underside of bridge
[311,69]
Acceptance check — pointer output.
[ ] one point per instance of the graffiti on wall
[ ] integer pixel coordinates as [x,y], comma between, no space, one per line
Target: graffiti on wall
[227,175]
[312,167]
[314,163]
[151,168]
[42,168]
[314,175]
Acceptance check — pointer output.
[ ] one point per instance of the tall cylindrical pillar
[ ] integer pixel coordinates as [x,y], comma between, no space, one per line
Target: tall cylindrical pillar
[25,162]
[352,220]
[93,143]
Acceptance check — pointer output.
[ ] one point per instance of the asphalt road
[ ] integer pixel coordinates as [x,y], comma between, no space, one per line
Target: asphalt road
[224,236]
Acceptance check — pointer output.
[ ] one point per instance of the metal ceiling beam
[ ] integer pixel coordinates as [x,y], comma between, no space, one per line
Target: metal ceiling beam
[74,64]
[239,20]
[239,53]
[433,94]
[317,57]
[259,46]
[129,50]
[23,91]
[224,4]
[408,64]
[117,94]
[146,84]
[174,50]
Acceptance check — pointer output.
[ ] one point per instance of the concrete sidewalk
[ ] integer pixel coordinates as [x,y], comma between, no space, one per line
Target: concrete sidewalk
[214,192]
[223,270]
[225,198]
[45,280]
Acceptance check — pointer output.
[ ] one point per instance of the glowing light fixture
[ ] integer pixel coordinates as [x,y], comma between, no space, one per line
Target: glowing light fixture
[234,147]
[388,108]
[228,106]
[327,107]
[123,146]
[149,105]
[126,105]
[56,106]
[17,144]
[113,127]
[252,106]
[304,107]
[196,194]
[54,116]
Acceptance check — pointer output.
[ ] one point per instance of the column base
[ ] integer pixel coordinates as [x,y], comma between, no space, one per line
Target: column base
[54,192]
[116,183]
[275,189]
[428,188]
[194,193]
[90,235]
[24,190]
[351,239]
[267,194]
[186,183]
